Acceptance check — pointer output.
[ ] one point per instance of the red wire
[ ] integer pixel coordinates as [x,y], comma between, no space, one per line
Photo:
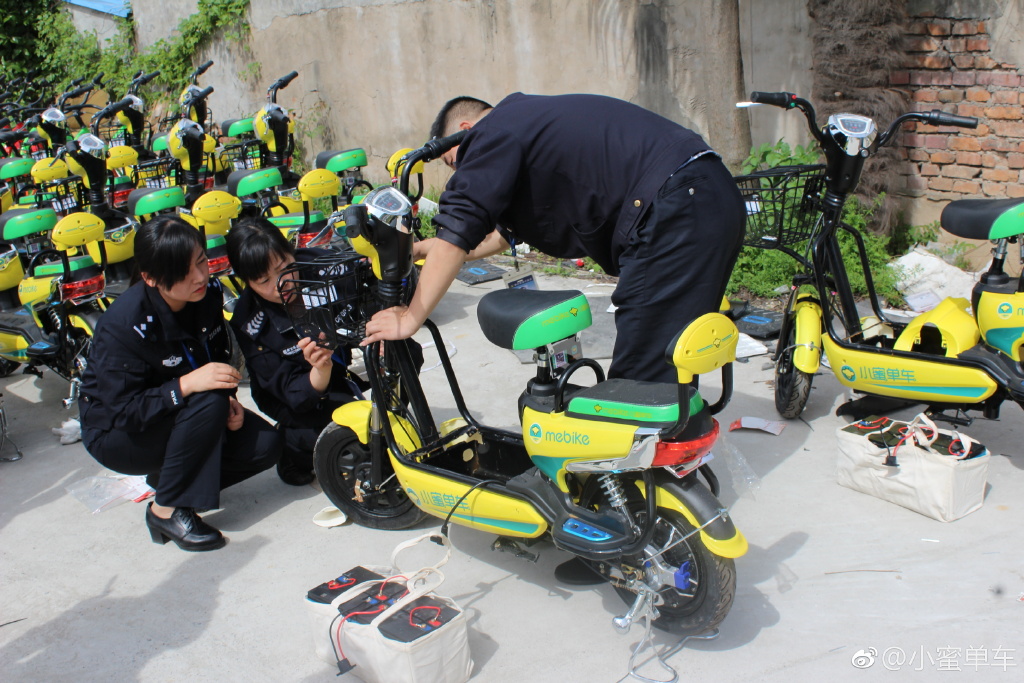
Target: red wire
[413,611]
[871,425]
[341,622]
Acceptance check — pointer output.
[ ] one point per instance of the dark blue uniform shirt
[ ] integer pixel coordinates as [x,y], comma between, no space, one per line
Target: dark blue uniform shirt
[139,353]
[571,175]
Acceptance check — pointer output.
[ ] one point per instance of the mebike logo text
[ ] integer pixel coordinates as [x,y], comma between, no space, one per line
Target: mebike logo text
[1005,310]
[565,436]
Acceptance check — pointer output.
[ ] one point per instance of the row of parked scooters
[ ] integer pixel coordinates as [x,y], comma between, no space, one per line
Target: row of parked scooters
[80,172]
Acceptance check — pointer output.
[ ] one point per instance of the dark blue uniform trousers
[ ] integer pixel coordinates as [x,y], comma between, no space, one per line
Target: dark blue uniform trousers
[191,456]
[676,266]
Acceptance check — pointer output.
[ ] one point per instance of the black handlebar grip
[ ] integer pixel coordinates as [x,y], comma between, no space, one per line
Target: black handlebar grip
[143,80]
[202,68]
[78,91]
[99,78]
[112,109]
[438,146]
[285,80]
[203,94]
[776,99]
[77,81]
[31,74]
[941,118]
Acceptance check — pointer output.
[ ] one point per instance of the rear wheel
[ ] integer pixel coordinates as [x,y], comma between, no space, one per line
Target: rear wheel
[792,385]
[342,465]
[695,586]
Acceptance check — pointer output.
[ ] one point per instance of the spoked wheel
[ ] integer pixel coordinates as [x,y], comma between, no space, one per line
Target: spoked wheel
[696,587]
[792,385]
[342,465]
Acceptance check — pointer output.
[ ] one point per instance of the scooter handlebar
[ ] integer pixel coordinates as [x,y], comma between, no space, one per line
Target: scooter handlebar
[284,81]
[941,118]
[202,68]
[786,100]
[438,146]
[143,80]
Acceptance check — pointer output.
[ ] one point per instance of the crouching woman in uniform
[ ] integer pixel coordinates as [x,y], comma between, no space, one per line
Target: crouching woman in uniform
[158,395]
[294,381]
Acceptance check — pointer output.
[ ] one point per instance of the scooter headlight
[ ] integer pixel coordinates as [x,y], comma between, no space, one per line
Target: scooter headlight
[137,103]
[93,145]
[54,116]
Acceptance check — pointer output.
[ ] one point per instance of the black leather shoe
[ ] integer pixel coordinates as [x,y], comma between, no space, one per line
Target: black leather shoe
[576,572]
[292,474]
[185,528]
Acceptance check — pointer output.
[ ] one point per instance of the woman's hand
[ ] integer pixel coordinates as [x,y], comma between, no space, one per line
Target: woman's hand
[209,377]
[391,323]
[322,361]
[236,415]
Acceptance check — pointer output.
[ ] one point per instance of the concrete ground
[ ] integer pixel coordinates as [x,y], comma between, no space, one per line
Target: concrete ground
[830,572]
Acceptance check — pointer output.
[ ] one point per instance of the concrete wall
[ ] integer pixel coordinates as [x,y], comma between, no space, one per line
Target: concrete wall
[90,21]
[374,72]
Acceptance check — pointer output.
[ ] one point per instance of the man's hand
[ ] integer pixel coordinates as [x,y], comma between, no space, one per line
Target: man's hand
[392,323]
[209,377]
[236,415]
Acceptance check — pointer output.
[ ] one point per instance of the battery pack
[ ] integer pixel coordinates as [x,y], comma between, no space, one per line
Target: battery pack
[326,592]
[365,607]
[411,622]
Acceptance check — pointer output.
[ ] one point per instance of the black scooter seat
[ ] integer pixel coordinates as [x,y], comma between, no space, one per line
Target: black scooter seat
[974,219]
[531,318]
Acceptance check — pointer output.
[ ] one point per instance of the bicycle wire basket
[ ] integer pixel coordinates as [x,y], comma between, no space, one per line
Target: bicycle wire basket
[330,298]
[782,204]
[65,195]
[242,155]
[160,172]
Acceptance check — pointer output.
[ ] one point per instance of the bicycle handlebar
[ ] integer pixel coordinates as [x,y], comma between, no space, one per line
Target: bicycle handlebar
[107,112]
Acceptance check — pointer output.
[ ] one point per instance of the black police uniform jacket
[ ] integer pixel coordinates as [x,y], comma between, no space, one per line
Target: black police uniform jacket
[571,175]
[278,372]
[140,351]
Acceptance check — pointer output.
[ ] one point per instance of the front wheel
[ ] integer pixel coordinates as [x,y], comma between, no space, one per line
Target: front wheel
[342,465]
[7,367]
[696,587]
[792,385]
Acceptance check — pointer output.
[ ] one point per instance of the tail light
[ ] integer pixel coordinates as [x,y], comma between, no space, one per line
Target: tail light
[77,292]
[208,182]
[219,265]
[685,454]
[119,198]
[313,239]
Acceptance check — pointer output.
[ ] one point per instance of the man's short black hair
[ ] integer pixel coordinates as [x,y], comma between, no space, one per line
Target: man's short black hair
[459,108]
[164,247]
[250,244]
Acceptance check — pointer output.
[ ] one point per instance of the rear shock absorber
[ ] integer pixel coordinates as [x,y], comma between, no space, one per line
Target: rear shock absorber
[616,496]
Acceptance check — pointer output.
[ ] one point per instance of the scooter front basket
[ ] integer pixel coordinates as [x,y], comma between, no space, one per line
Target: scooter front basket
[782,203]
[330,298]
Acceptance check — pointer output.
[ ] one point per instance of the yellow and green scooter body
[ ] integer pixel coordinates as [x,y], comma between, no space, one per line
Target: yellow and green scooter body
[806,334]
[11,169]
[118,243]
[436,494]
[213,212]
[900,376]
[121,156]
[261,127]
[1000,318]
[45,170]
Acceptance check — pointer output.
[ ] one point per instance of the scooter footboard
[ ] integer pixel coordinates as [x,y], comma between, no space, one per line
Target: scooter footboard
[699,506]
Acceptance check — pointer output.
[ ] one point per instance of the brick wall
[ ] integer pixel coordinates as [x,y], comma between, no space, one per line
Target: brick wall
[949,67]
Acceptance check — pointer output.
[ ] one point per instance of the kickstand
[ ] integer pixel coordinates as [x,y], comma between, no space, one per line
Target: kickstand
[648,612]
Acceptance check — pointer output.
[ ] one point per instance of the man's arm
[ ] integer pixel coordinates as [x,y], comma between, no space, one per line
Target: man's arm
[493,244]
[443,262]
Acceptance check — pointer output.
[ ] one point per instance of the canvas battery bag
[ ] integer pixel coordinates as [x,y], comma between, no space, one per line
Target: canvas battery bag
[935,472]
[395,628]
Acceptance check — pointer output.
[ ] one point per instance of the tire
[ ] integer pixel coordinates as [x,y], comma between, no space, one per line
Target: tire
[7,367]
[341,461]
[792,385]
[712,578]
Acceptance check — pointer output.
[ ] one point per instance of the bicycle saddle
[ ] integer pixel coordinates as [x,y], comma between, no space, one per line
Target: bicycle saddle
[530,318]
[984,219]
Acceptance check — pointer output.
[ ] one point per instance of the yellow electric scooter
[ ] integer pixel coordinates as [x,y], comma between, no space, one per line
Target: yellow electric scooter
[946,358]
[615,473]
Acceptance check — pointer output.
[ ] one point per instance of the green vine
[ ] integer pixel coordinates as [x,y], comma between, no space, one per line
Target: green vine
[62,52]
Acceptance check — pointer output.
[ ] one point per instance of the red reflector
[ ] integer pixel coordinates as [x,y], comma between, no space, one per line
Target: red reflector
[76,291]
[309,239]
[120,197]
[676,453]
[208,183]
[219,264]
